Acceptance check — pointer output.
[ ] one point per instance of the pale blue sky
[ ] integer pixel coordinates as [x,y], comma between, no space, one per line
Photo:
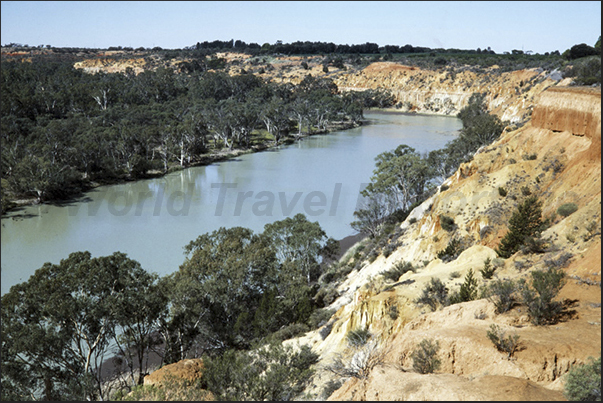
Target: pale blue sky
[539,26]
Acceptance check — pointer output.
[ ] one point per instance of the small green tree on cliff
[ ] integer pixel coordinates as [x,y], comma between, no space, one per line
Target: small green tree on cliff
[525,222]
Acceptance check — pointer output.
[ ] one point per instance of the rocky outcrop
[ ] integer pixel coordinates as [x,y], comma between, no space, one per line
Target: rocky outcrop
[190,370]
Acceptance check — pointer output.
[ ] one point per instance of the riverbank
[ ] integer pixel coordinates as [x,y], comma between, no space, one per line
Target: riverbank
[15,204]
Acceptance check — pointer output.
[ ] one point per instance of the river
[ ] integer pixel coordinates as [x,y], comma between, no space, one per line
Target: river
[152,220]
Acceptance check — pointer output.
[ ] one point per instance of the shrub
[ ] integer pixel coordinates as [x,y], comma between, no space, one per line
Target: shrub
[533,245]
[498,262]
[587,71]
[290,331]
[560,262]
[319,317]
[567,209]
[452,251]
[502,191]
[358,337]
[172,388]
[468,291]
[444,188]
[500,293]
[525,222]
[271,372]
[398,270]
[326,294]
[447,223]
[583,382]
[539,295]
[488,270]
[372,256]
[525,191]
[507,345]
[358,361]
[529,157]
[330,387]
[326,330]
[425,357]
[389,248]
[434,294]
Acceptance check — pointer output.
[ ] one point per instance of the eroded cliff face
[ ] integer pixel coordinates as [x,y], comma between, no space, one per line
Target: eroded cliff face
[510,95]
[564,136]
[446,91]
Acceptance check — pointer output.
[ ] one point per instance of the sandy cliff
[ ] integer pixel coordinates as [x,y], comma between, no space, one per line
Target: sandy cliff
[565,134]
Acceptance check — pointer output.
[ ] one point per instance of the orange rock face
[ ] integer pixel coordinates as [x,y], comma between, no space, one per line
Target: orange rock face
[573,109]
[190,370]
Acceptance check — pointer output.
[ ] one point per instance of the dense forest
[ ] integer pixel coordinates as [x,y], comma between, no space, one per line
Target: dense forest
[62,128]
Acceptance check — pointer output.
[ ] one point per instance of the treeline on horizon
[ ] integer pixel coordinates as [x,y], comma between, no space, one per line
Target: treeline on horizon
[301,48]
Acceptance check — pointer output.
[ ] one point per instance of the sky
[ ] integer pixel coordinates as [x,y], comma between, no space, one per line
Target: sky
[537,26]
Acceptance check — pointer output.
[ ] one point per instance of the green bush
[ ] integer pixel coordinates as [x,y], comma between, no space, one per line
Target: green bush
[397,270]
[583,382]
[497,336]
[172,388]
[425,357]
[358,337]
[502,191]
[319,317]
[390,248]
[271,372]
[488,270]
[434,294]
[452,250]
[533,245]
[525,191]
[567,209]
[447,223]
[538,296]
[525,222]
[501,294]
[330,387]
[290,331]
[587,71]
[468,291]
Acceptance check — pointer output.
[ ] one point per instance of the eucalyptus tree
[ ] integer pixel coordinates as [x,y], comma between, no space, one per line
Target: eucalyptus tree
[222,119]
[217,289]
[300,111]
[59,326]
[302,242]
[275,115]
[402,173]
[246,119]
